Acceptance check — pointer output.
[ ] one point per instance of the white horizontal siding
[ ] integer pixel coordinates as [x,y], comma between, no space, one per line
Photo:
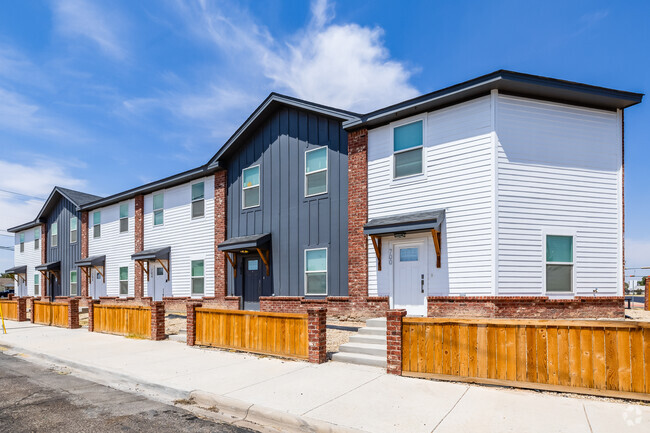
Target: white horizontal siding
[558,169]
[189,239]
[30,257]
[117,247]
[458,178]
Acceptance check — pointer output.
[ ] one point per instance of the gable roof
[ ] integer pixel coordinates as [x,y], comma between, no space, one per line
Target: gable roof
[506,82]
[270,104]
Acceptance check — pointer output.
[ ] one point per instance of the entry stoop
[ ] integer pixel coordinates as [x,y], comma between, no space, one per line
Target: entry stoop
[367,347]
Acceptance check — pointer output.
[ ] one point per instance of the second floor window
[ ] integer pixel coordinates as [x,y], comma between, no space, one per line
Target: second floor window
[73,230]
[198,200]
[55,235]
[316,171]
[407,149]
[158,209]
[124,217]
[251,187]
[37,285]
[97,224]
[37,237]
[22,242]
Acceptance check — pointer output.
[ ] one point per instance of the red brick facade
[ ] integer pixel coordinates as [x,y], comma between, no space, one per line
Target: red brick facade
[139,245]
[178,304]
[84,252]
[341,307]
[42,282]
[357,214]
[22,309]
[220,263]
[158,321]
[73,313]
[394,341]
[91,313]
[317,334]
[191,322]
[538,307]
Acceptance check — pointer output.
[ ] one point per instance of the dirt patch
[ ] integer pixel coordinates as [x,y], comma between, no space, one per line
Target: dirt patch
[83,319]
[339,332]
[637,315]
[175,323]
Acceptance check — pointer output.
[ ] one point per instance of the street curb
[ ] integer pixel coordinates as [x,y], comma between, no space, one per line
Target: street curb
[261,415]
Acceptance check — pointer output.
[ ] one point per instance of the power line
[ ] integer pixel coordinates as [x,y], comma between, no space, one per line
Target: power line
[21,194]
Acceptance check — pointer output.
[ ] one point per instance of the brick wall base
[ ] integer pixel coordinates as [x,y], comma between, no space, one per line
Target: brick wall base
[394,341]
[340,307]
[537,307]
[179,305]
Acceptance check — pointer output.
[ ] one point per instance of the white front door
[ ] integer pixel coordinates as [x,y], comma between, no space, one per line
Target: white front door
[156,290]
[409,278]
[97,285]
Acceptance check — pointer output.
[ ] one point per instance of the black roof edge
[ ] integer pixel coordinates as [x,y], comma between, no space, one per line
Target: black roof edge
[286,100]
[166,182]
[24,226]
[500,75]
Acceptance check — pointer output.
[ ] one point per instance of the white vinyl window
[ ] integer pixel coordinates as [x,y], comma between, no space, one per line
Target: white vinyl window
[124,280]
[251,187]
[73,230]
[198,200]
[559,264]
[22,242]
[158,209]
[54,237]
[73,283]
[407,149]
[316,271]
[197,277]
[97,224]
[316,171]
[124,217]
[37,237]
[37,286]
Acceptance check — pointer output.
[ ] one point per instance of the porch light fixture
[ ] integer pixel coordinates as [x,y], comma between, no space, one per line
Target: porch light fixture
[400,235]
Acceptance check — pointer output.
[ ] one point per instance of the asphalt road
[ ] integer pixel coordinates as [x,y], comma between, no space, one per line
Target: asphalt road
[35,399]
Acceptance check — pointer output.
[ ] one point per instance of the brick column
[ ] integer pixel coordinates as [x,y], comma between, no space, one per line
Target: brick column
[158,321]
[647,293]
[191,322]
[357,213]
[220,225]
[394,341]
[22,309]
[91,313]
[73,313]
[84,252]
[316,321]
[138,283]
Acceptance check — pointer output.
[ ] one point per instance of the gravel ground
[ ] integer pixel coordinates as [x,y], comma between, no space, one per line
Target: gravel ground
[638,315]
[174,323]
[337,336]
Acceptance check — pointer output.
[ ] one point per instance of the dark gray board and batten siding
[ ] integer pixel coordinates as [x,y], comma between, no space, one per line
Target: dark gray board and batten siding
[65,252]
[295,222]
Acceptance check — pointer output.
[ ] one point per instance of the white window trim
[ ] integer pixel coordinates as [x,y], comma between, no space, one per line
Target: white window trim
[37,239]
[305,272]
[77,283]
[21,242]
[327,163]
[153,211]
[34,284]
[259,186]
[52,244]
[119,281]
[100,225]
[75,230]
[127,218]
[559,232]
[413,177]
[192,201]
[194,259]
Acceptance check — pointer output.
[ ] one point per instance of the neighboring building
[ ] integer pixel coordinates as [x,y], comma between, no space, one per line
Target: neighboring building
[8,284]
[27,255]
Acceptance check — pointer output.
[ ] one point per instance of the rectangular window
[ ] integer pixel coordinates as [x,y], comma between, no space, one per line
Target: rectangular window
[407,148]
[251,187]
[73,283]
[197,277]
[37,286]
[124,217]
[198,200]
[316,271]
[37,237]
[124,280]
[559,263]
[97,227]
[22,242]
[316,171]
[409,254]
[55,235]
[73,230]
[158,209]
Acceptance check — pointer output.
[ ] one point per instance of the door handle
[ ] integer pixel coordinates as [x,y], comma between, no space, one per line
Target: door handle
[422,283]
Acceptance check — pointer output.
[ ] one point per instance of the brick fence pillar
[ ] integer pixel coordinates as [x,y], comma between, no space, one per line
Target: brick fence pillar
[73,313]
[316,329]
[91,314]
[191,322]
[22,309]
[647,293]
[357,214]
[31,316]
[138,278]
[220,224]
[394,341]
[158,321]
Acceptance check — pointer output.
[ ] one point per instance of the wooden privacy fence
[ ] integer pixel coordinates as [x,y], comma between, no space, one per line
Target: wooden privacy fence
[64,314]
[139,321]
[299,336]
[594,357]
[9,309]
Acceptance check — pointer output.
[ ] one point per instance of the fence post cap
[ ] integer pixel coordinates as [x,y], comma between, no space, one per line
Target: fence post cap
[396,313]
[316,309]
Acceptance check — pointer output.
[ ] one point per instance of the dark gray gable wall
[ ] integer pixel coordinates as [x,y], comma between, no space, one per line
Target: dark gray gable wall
[66,252]
[295,222]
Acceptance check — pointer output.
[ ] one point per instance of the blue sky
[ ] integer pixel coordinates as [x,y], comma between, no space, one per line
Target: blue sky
[102,96]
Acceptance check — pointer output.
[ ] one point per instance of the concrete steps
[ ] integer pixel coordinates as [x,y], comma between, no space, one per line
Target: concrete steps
[367,347]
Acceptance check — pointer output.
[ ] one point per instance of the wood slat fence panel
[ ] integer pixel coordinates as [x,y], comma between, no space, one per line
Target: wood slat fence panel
[588,356]
[9,309]
[278,334]
[42,311]
[129,320]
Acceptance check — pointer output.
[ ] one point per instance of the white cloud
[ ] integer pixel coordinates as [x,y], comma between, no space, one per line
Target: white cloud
[346,66]
[103,27]
[637,253]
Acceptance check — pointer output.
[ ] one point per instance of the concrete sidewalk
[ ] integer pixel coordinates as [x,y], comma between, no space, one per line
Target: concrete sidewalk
[323,397]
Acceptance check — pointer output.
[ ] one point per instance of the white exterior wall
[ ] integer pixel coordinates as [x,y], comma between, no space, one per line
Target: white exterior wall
[189,239]
[559,171]
[30,258]
[459,177]
[116,246]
